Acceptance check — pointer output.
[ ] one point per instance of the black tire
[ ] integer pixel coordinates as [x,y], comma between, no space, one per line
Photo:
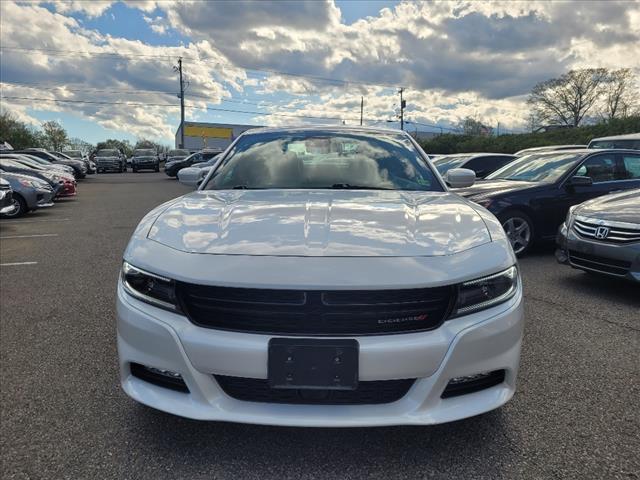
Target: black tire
[519,229]
[157,168]
[134,170]
[21,207]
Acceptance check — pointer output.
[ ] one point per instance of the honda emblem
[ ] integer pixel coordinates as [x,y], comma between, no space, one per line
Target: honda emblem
[602,232]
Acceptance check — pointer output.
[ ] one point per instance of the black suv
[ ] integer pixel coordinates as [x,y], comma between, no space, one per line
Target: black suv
[145,158]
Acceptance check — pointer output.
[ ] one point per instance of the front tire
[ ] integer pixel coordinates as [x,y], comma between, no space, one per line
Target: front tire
[20,207]
[519,229]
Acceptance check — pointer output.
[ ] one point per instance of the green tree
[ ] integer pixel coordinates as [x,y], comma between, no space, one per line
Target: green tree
[79,144]
[17,133]
[145,143]
[55,136]
[123,145]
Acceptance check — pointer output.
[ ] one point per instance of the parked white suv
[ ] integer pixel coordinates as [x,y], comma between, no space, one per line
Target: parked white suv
[321,277]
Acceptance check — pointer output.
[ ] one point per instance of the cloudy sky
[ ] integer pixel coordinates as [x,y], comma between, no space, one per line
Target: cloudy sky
[105,69]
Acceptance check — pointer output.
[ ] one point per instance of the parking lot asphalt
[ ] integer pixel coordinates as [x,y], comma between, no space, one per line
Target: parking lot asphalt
[63,415]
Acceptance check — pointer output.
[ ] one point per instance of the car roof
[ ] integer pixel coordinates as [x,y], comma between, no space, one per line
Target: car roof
[585,151]
[342,128]
[477,154]
[628,136]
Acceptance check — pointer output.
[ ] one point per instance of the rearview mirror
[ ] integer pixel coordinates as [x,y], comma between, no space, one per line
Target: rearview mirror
[460,177]
[580,180]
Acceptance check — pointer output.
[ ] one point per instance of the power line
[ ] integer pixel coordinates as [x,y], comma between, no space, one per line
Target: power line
[68,53]
[257,102]
[133,104]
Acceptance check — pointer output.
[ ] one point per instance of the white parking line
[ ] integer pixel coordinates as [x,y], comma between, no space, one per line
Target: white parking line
[17,263]
[30,236]
[35,221]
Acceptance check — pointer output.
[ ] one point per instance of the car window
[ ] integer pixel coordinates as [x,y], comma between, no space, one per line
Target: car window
[319,159]
[107,153]
[444,164]
[178,153]
[621,143]
[540,167]
[601,168]
[631,165]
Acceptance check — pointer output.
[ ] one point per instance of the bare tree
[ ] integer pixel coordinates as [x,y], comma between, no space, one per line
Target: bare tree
[55,136]
[620,94]
[567,99]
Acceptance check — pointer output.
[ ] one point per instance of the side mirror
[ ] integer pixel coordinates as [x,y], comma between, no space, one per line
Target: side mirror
[580,181]
[460,177]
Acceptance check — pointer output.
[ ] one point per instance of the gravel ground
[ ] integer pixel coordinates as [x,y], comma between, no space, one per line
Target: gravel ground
[63,415]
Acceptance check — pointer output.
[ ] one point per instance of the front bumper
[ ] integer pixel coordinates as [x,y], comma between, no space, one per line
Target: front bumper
[141,165]
[109,165]
[484,341]
[621,261]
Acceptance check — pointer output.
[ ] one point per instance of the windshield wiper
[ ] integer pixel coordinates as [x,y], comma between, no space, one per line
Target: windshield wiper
[349,186]
[246,187]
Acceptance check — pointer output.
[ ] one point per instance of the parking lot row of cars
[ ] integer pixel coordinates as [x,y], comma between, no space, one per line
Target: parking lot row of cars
[34,178]
[585,197]
[533,191]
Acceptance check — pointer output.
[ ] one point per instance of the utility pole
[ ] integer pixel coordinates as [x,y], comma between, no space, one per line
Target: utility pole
[181,95]
[403,104]
[361,108]
[498,130]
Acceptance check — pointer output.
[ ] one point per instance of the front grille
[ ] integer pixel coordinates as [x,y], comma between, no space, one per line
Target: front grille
[588,228]
[315,312]
[367,393]
[597,263]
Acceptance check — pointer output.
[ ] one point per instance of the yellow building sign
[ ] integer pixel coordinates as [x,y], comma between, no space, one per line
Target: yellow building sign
[208,132]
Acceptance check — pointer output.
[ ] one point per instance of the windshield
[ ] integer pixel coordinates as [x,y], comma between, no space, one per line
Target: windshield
[541,167]
[178,153]
[626,143]
[320,159]
[107,153]
[73,153]
[444,164]
[144,153]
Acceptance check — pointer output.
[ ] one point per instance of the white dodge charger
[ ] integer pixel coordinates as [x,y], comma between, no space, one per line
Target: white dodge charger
[321,277]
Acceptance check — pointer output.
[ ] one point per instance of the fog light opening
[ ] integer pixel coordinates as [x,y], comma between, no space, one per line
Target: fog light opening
[159,377]
[473,383]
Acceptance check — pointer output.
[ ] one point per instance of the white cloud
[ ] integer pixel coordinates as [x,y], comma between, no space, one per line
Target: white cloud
[157,24]
[455,58]
[140,74]
[89,8]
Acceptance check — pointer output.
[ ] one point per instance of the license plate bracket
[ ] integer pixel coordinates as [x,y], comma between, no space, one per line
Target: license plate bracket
[307,363]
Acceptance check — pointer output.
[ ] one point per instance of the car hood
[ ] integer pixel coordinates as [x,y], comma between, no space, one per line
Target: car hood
[620,207]
[108,158]
[175,159]
[146,157]
[490,188]
[320,223]
[66,161]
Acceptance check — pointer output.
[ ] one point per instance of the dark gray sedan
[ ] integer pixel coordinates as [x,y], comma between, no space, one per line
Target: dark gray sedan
[603,236]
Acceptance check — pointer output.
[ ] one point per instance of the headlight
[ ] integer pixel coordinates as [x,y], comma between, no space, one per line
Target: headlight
[570,213]
[31,183]
[486,292]
[148,287]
